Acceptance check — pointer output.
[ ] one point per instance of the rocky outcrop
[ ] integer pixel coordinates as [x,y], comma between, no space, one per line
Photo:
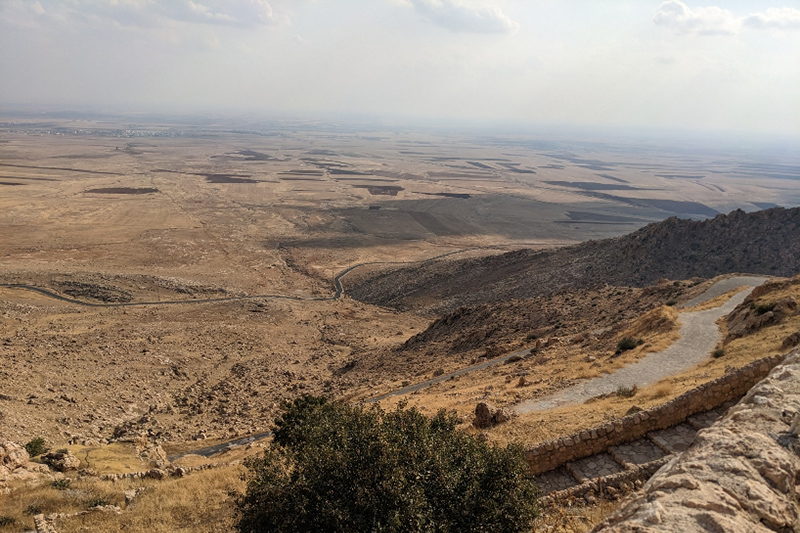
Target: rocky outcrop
[763,242]
[61,461]
[487,415]
[12,455]
[740,475]
[15,464]
[758,311]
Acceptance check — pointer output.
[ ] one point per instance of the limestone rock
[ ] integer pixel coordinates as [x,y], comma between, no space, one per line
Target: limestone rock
[156,473]
[12,455]
[61,460]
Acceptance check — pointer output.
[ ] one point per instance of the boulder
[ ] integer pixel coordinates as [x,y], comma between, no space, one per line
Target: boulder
[487,415]
[791,341]
[61,460]
[12,455]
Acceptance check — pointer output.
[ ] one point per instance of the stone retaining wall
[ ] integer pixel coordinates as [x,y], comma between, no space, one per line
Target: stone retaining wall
[608,487]
[741,475]
[552,454]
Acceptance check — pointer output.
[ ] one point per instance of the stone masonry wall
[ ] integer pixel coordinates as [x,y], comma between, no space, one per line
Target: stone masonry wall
[741,475]
[551,454]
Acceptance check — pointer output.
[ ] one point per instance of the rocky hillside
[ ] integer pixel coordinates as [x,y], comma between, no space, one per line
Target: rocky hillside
[763,242]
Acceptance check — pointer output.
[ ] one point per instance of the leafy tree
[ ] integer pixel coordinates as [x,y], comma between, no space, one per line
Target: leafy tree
[336,467]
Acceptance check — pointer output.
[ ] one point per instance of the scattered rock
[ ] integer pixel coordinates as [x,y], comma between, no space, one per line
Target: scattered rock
[132,494]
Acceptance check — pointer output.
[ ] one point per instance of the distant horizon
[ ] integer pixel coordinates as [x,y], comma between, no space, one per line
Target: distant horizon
[652,65]
[722,139]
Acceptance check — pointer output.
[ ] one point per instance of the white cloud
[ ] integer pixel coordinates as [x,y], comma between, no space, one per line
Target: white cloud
[780,18]
[703,20]
[458,16]
[714,20]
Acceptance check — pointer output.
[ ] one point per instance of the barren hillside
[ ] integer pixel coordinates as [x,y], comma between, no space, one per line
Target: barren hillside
[763,242]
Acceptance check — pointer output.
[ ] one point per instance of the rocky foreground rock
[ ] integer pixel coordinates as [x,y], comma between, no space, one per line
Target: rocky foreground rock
[741,475]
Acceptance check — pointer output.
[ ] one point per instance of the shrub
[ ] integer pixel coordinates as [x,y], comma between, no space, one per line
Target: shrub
[671,302]
[337,467]
[96,502]
[6,521]
[628,343]
[62,484]
[627,392]
[33,509]
[764,308]
[36,446]
[719,352]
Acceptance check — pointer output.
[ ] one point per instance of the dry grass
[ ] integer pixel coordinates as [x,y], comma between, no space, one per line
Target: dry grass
[115,458]
[26,500]
[574,519]
[199,502]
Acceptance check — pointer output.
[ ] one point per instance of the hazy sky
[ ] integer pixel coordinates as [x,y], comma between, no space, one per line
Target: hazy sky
[708,64]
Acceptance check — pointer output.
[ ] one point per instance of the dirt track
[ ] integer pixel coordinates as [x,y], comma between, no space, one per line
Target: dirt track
[699,335]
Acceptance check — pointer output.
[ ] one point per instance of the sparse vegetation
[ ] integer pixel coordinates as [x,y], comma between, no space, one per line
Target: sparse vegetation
[97,502]
[628,343]
[37,446]
[339,467]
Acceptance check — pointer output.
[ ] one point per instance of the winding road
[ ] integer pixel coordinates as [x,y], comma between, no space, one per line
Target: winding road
[699,335]
[337,285]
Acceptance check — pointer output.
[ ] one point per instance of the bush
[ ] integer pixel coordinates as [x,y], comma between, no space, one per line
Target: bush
[36,446]
[719,352]
[33,509]
[62,484]
[764,308]
[6,521]
[628,343]
[337,467]
[97,502]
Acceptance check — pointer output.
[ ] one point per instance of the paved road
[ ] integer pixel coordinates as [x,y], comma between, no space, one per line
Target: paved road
[723,286]
[699,335]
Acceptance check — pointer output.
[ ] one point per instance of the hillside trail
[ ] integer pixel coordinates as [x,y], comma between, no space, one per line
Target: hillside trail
[699,334]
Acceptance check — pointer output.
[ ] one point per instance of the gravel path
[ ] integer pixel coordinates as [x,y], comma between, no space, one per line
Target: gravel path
[699,335]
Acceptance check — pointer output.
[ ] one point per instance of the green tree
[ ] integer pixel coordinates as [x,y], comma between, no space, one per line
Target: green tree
[337,467]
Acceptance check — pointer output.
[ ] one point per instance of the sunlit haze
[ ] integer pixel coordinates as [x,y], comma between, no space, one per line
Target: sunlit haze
[675,65]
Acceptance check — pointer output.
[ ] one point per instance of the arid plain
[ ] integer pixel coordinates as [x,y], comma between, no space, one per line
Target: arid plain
[260,219]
